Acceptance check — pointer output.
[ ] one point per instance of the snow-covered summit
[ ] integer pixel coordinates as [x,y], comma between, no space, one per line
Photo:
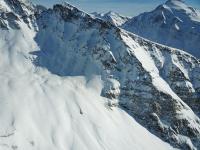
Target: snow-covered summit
[179,6]
[173,23]
[112,17]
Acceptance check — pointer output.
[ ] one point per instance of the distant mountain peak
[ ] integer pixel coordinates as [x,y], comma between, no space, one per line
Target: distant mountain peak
[112,13]
[171,1]
[174,1]
[176,20]
[176,4]
[112,17]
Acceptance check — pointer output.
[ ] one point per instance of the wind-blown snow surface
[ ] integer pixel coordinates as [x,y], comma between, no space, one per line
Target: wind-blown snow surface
[174,24]
[69,81]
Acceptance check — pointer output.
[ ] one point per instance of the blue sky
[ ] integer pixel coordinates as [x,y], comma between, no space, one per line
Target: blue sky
[125,7]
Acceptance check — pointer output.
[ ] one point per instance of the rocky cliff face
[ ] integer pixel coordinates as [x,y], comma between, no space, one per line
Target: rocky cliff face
[174,24]
[13,11]
[139,75]
[156,85]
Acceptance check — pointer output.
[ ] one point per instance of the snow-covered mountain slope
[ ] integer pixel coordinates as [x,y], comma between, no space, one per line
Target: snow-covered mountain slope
[112,17]
[70,81]
[174,24]
[40,110]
